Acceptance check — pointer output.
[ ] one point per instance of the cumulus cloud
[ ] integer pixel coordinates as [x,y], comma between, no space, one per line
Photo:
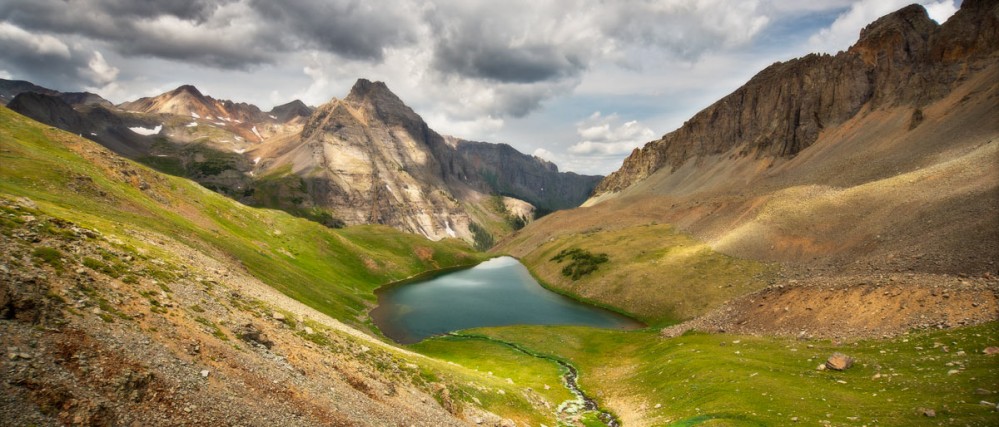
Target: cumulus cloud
[99,71]
[544,154]
[844,30]
[603,135]
[18,41]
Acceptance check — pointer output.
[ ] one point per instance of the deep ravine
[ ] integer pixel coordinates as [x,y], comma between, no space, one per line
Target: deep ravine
[584,403]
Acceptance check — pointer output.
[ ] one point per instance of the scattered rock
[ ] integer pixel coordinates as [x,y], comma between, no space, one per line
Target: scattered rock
[839,362]
[991,350]
[309,331]
[204,373]
[927,412]
[278,316]
[250,333]
[982,391]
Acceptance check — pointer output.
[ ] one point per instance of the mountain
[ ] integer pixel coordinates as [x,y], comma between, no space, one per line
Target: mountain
[365,159]
[290,111]
[187,100]
[91,119]
[874,167]
[11,88]
[903,59]
[369,158]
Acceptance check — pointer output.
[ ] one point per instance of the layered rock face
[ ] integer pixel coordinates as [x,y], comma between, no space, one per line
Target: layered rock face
[904,58]
[370,159]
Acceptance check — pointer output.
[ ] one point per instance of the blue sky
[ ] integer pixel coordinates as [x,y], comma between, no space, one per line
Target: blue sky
[578,82]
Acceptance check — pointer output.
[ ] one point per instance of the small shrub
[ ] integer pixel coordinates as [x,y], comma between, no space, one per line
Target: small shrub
[48,255]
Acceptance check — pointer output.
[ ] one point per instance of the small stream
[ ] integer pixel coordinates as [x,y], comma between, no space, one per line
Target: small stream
[569,380]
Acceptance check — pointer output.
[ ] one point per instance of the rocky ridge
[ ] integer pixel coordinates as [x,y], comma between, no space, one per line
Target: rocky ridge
[904,58]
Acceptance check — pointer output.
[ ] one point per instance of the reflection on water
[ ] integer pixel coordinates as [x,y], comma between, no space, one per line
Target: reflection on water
[497,292]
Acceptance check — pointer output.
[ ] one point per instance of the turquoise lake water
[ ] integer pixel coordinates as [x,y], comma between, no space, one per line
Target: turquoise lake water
[495,293]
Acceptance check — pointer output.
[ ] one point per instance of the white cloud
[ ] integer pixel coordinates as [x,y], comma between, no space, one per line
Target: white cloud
[99,71]
[844,31]
[940,11]
[544,154]
[602,135]
[4,74]
[16,38]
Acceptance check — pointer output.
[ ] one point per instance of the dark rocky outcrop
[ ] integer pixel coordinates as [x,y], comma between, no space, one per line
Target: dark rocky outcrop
[93,121]
[901,59]
[290,111]
[11,88]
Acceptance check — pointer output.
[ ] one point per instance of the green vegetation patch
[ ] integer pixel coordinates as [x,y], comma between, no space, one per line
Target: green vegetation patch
[581,262]
[720,379]
[50,256]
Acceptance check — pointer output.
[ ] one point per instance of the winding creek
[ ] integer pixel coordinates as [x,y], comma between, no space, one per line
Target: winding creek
[497,292]
[570,379]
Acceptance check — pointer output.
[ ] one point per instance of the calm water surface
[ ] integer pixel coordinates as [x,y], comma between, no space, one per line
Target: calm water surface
[495,293]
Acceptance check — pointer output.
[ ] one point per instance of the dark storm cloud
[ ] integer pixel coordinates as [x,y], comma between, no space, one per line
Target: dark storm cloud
[197,31]
[526,64]
[353,29]
[498,42]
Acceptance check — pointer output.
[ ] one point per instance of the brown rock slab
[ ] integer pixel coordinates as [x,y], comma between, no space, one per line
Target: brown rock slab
[839,362]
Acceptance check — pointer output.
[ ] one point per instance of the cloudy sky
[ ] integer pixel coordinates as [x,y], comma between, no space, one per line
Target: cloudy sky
[578,82]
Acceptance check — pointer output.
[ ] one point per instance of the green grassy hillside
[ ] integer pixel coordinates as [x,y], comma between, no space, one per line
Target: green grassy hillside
[334,271]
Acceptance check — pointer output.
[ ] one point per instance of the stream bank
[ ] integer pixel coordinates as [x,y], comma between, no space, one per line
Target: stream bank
[570,408]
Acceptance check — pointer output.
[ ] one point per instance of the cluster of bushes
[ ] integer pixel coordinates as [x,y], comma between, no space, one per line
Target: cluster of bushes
[516,222]
[581,262]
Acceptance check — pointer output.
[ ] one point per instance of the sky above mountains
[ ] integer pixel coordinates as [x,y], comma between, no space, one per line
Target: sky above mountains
[578,82]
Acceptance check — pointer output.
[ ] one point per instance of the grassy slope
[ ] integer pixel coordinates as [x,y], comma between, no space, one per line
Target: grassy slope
[655,273]
[740,380]
[334,271]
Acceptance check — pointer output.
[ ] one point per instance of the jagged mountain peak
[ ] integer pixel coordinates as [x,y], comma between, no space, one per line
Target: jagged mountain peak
[365,89]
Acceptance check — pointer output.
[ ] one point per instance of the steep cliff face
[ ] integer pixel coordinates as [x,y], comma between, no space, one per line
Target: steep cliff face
[901,59]
[499,168]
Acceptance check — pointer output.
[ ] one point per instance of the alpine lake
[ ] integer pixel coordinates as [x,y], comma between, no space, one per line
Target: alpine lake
[497,292]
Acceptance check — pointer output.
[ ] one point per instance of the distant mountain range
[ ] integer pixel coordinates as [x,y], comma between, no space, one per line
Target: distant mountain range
[367,158]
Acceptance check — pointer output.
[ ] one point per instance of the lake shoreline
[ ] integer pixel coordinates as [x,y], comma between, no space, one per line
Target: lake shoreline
[501,292]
